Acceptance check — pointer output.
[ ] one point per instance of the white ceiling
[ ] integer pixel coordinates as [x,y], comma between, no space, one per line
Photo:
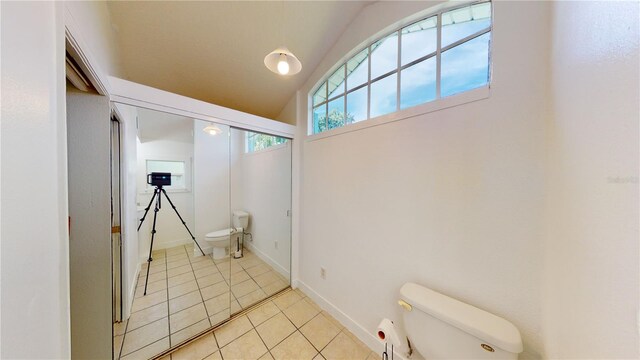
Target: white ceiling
[214,51]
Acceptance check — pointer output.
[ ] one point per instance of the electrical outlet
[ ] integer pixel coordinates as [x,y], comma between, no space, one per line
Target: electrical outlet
[276,244]
[323,273]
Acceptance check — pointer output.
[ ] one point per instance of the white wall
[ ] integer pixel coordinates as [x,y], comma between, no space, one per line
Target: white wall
[93,21]
[34,245]
[288,113]
[452,200]
[513,203]
[129,165]
[261,186]
[592,268]
[170,231]
[211,182]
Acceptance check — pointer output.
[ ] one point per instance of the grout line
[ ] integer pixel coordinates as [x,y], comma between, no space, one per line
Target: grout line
[126,330]
[147,345]
[166,317]
[201,296]
[219,326]
[123,337]
[260,337]
[168,308]
[243,310]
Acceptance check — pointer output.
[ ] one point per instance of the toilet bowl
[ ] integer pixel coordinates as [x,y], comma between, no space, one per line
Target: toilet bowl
[220,240]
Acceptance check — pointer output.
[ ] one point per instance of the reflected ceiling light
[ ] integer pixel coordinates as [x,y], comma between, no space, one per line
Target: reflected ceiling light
[282,61]
[212,130]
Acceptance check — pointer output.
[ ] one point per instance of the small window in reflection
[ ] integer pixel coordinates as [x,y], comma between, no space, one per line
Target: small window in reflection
[257,141]
[176,168]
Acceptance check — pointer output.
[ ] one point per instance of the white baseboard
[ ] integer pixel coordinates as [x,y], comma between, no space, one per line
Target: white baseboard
[358,330]
[164,245]
[206,249]
[172,243]
[284,272]
[132,294]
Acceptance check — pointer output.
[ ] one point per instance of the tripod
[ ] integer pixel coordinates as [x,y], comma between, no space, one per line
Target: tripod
[157,194]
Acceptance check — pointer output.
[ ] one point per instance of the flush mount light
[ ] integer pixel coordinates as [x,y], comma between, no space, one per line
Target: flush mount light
[282,61]
[212,130]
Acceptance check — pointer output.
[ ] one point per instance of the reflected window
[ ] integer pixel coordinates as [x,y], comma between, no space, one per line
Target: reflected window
[443,54]
[176,168]
[257,141]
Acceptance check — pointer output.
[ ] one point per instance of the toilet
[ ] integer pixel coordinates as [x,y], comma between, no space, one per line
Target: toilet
[440,327]
[220,239]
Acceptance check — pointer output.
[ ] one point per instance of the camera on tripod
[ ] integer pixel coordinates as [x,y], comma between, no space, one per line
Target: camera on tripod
[159,179]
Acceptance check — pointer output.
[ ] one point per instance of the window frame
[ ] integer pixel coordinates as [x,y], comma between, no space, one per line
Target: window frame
[474,93]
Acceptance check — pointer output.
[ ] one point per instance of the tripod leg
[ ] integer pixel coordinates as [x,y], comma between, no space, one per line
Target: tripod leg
[180,217]
[146,210]
[153,234]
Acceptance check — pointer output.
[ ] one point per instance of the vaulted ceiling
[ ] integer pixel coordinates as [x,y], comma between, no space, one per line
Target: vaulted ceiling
[214,51]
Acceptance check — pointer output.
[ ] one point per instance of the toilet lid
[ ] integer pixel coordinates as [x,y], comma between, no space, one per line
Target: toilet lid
[219,233]
[223,233]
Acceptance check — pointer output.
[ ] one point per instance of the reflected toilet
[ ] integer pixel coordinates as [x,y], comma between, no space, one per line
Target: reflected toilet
[220,239]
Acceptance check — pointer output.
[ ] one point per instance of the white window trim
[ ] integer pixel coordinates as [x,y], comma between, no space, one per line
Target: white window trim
[437,104]
[466,97]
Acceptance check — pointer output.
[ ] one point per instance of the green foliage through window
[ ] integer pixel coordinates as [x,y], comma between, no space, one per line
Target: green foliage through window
[257,141]
[336,119]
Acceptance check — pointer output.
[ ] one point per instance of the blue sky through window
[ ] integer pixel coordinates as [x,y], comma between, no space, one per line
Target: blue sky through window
[383,95]
[418,83]
[463,67]
[419,39]
[384,55]
[357,104]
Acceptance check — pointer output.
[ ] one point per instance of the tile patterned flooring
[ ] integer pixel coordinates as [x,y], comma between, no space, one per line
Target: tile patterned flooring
[186,295]
[289,326]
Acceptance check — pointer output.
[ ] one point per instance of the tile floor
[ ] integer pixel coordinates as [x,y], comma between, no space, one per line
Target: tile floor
[186,295]
[289,326]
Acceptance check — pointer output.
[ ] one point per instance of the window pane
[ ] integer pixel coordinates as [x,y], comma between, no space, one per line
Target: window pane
[457,24]
[319,117]
[384,55]
[336,113]
[419,39]
[465,66]
[357,105]
[336,82]
[256,142]
[320,95]
[383,96]
[358,69]
[418,83]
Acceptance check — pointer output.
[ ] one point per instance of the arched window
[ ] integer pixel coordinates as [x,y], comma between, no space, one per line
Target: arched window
[443,54]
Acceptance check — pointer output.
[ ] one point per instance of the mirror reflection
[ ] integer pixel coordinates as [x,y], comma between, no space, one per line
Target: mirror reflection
[260,173]
[212,204]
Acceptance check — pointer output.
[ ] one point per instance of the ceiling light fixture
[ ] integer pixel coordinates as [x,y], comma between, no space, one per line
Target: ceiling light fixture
[282,61]
[212,130]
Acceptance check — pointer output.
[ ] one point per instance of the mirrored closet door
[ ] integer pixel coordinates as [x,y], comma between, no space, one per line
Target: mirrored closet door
[216,207]
[260,168]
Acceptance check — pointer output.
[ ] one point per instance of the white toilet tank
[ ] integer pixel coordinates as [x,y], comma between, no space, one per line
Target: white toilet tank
[440,327]
[240,219]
